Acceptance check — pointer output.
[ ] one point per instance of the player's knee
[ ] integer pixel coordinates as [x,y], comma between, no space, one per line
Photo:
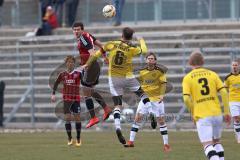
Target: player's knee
[216,140]
[138,118]
[77,118]
[161,120]
[236,119]
[117,100]
[67,122]
[116,113]
[135,127]
[89,102]
[139,92]
[87,91]
[68,118]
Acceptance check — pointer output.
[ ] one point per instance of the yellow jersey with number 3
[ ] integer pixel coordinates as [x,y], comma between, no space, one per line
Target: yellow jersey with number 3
[232,82]
[120,56]
[202,85]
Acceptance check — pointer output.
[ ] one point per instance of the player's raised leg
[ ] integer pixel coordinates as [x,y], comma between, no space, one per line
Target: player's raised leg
[101,101]
[117,115]
[91,77]
[90,106]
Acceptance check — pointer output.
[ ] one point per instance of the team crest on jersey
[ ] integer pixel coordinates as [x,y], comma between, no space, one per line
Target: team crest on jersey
[236,85]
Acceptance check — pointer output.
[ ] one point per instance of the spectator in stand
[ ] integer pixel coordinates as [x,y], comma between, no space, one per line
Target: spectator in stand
[49,22]
[44,4]
[118,4]
[1,4]
[71,10]
[58,7]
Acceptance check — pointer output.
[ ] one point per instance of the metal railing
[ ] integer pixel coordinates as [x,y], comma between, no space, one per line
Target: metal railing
[29,91]
[27,12]
[184,49]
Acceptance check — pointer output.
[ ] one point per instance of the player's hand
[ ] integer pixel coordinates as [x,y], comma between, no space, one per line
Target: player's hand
[194,121]
[84,67]
[160,99]
[227,119]
[81,68]
[53,98]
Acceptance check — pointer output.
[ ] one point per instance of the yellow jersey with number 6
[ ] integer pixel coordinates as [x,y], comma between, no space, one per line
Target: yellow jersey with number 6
[202,85]
[120,55]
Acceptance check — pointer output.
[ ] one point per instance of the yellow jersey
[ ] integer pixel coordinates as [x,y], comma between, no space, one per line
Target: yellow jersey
[202,86]
[232,82]
[120,56]
[152,82]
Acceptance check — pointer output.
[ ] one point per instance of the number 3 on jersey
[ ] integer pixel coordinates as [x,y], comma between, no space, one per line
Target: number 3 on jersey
[205,88]
[119,58]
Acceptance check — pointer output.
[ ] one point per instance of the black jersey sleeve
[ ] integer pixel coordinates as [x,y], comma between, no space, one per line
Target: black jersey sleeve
[86,41]
[94,38]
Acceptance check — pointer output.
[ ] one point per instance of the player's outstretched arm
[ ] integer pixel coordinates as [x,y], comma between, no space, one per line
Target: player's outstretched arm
[93,57]
[143,45]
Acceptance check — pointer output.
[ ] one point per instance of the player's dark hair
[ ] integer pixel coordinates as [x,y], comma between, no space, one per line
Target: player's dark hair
[196,59]
[151,54]
[78,24]
[127,33]
[68,58]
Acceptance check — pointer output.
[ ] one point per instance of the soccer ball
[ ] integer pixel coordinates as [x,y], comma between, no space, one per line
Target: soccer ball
[109,11]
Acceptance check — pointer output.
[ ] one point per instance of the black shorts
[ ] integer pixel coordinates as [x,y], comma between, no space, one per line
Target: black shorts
[90,77]
[72,107]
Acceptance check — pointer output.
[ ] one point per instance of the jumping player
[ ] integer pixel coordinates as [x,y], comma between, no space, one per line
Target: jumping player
[86,46]
[120,72]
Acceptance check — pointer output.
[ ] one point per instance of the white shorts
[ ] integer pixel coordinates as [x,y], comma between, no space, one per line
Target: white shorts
[156,108]
[209,128]
[234,108]
[117,85]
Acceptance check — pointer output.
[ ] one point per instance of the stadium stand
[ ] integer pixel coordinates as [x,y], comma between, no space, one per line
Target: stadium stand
[171,42]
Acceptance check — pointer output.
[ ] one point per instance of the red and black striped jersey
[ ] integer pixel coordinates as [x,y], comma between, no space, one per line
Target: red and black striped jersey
[85,43]
[71,85]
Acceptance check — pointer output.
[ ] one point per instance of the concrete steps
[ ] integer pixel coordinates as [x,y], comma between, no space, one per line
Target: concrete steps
[101,28]
[49,53]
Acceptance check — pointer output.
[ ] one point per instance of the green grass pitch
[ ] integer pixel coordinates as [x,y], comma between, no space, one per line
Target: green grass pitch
[105,146]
